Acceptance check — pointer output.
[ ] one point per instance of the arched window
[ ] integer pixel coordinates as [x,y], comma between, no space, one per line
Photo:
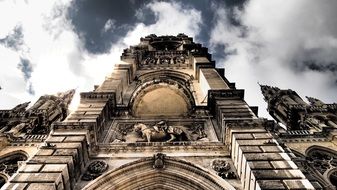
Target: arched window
[9,164]
[324,161]
[3,179]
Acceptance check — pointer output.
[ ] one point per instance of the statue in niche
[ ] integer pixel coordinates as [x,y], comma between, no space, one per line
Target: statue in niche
[160,132]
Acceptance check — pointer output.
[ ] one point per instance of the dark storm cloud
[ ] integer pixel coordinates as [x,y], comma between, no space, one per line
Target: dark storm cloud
[332,67]
[102,23]
[30,89]
[210,18]
[26,68]
[90,17]
[14,40]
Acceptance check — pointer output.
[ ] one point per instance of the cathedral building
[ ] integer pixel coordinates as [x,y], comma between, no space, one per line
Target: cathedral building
[166,118]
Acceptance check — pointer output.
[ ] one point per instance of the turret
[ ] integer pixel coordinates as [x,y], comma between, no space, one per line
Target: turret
[287,107]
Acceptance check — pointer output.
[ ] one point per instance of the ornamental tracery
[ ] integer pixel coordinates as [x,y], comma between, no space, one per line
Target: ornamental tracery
[9,164]
[325,162]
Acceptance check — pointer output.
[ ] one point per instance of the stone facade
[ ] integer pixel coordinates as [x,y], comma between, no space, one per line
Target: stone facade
[166,118]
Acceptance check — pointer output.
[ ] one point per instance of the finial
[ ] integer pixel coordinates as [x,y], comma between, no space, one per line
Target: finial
[314,101]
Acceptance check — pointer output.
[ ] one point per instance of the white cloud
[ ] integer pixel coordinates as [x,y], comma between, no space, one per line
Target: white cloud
[109,25]
[57,55]
[59,59]
[171,19]
[281,35]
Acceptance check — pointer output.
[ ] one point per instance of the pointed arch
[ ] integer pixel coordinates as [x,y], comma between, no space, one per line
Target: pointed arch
[9,164]
[177,174]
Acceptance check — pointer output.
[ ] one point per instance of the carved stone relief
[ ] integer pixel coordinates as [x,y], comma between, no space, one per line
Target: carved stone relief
[157,131]
[168,58]
[159,161]
[222,167]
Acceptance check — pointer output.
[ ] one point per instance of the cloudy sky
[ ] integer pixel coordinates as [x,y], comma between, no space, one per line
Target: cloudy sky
[48,46]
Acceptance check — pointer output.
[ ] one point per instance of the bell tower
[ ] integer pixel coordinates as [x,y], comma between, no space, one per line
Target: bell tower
[165,118]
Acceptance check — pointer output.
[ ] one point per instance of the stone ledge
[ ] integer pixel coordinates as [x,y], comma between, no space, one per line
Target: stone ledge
[30,168]
[266,157]
[278,174]
[298,184]
[59,168]
[55,160]
[16,186]
[42,186]
[45,152]
[270,184]
[37,178]
[284,165]
[255,142]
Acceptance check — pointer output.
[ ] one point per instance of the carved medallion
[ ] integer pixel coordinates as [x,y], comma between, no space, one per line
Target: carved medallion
[222,167]
[94,170]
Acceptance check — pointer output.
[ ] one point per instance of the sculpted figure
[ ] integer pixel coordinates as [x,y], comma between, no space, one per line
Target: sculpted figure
[160,132]
[176,133]
[149,134]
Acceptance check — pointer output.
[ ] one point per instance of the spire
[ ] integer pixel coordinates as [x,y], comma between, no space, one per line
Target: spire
[66,96]
[314,101]
[268,91]
[48,101]
[21,107]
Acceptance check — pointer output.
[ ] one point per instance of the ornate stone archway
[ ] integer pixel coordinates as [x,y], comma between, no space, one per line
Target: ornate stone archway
[159,173]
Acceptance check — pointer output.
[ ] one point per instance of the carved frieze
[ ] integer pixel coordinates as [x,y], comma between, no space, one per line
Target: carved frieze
[157,131]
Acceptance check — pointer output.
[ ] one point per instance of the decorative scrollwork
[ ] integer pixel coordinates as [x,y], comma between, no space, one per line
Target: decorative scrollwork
[94,170]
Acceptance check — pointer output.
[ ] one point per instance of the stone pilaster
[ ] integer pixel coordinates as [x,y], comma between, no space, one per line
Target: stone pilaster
[261,162]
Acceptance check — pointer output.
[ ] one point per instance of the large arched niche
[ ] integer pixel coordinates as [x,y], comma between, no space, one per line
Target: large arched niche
[176,175]
[162,93]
